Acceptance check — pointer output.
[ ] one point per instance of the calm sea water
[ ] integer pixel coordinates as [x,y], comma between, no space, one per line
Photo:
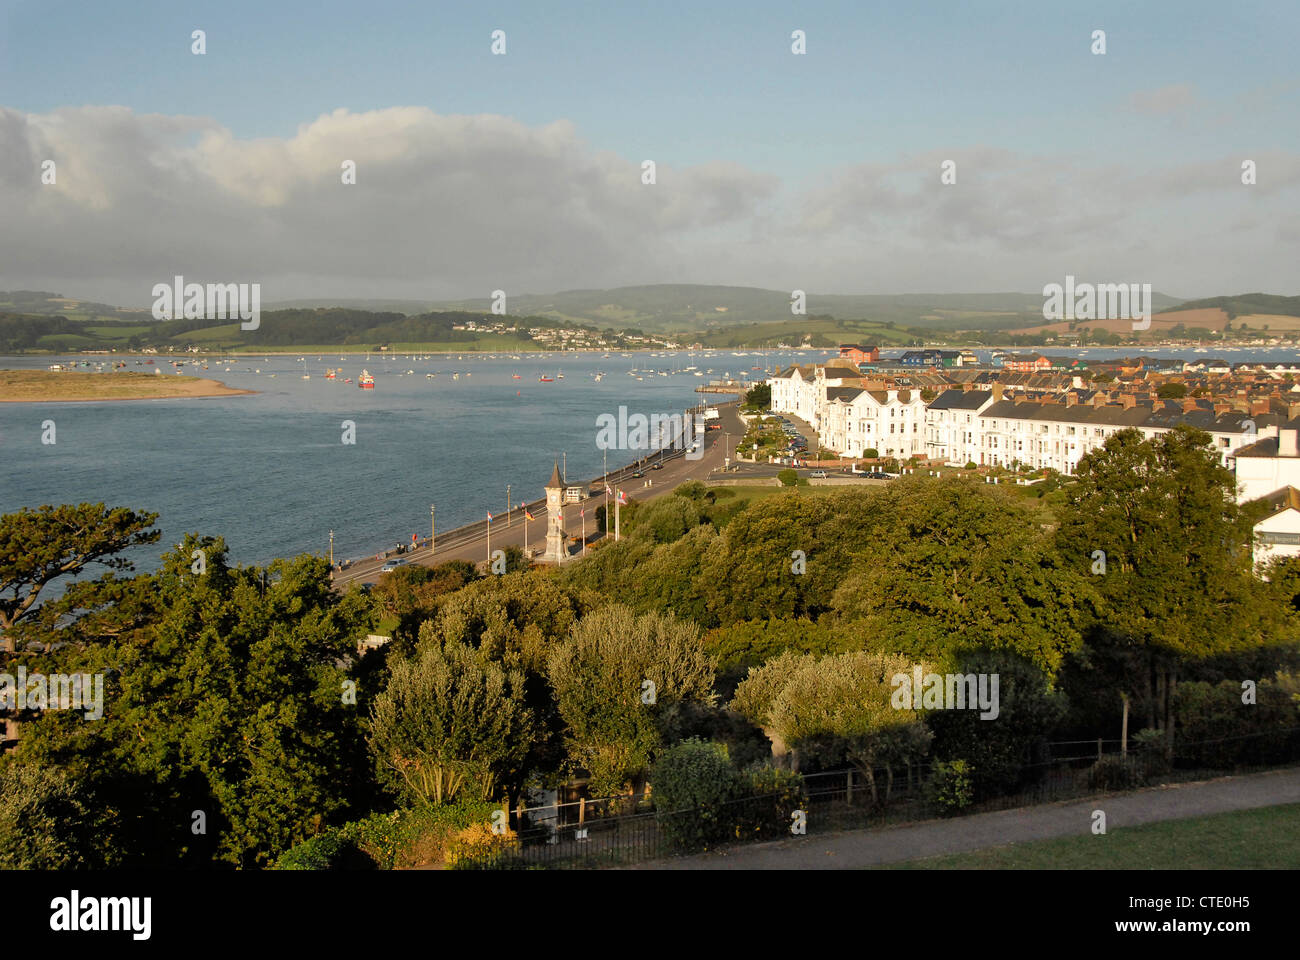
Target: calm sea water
[269,472]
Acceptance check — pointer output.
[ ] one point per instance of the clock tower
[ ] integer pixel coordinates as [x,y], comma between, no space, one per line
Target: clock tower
[555,537]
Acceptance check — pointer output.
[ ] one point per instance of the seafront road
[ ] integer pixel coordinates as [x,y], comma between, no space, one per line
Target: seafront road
[470,542]
[855,849]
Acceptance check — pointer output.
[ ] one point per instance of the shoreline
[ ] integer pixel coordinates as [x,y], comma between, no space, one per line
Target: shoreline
[85,387]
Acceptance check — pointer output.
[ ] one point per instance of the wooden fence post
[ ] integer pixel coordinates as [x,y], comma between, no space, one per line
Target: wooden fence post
[849,788]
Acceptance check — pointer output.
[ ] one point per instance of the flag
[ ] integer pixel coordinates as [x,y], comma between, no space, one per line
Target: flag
[527,514]
[622,498]
[489,516]
[582,512]
[608,491]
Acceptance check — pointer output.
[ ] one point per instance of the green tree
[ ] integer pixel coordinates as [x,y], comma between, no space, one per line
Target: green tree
[622,683]
[961,566]
[1177,585]
[837,708]
[759,395]
[40,546]
[223,694]
[451,722]
[44,821]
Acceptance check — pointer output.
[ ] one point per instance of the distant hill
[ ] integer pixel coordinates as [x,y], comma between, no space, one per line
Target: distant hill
[38,302]
[705,309]
[1245,304]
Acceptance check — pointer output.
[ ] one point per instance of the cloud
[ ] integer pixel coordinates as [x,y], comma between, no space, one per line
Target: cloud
[449,206]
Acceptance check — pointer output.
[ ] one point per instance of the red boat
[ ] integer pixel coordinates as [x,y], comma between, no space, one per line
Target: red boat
[367,382]
[545,379]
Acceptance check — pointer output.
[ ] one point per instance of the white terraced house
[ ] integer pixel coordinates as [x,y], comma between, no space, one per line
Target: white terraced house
[989,428]
[891,422]
[1057,435]
[801,390]
[952,424]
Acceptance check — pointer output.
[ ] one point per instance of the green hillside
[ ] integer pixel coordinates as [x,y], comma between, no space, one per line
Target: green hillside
[1244,304]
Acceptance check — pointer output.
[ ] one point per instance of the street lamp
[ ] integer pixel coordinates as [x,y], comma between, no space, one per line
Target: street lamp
[433,530]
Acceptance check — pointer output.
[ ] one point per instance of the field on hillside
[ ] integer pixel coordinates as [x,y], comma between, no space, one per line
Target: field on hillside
[1264,839]
[1162,323]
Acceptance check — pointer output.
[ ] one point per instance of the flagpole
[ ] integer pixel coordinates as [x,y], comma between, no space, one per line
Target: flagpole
[584,531]
[489,541]
[617,501]
[525,532]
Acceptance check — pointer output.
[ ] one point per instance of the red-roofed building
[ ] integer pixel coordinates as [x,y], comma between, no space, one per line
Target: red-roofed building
[856,353]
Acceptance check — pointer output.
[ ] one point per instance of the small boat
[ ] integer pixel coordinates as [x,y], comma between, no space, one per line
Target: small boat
[367,382]
[331,374]
[515,376]
[545,379]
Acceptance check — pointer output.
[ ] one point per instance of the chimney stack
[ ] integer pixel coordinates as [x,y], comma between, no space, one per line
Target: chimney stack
[997,392]
[1287,444]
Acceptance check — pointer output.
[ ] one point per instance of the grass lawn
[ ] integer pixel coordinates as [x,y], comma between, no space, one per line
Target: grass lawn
[1263,839]
[746,494]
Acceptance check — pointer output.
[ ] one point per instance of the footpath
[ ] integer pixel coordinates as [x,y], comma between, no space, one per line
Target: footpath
[866,848]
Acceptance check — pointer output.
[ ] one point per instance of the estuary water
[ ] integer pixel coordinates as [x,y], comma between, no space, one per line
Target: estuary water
[270,471]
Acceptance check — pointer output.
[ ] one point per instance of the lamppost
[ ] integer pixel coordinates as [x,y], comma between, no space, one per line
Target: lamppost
[433,530]
[331,553]
[507,504]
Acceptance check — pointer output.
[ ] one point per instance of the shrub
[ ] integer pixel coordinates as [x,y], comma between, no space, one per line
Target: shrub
[326,851]
[1114,772]
[478,847]
[788,477]
[952,787]
[384,841]
[970,465]
[692,783]
[871,453]
[774,795]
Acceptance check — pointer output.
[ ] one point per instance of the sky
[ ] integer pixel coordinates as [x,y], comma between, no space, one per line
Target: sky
[524,171]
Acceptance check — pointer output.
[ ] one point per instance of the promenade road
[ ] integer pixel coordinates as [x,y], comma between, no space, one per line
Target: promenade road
[856,849]
[471,542]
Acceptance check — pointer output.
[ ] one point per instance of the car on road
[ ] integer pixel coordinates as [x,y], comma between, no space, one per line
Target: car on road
[392,565]
[818,475]
[877,475]
[638,474]
[656,465]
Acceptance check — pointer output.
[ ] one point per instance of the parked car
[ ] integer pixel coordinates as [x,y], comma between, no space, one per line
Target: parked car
[818,474]
[392,565]
[877,475]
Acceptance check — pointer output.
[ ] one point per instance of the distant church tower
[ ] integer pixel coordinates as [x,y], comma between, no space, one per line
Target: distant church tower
[555,537]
